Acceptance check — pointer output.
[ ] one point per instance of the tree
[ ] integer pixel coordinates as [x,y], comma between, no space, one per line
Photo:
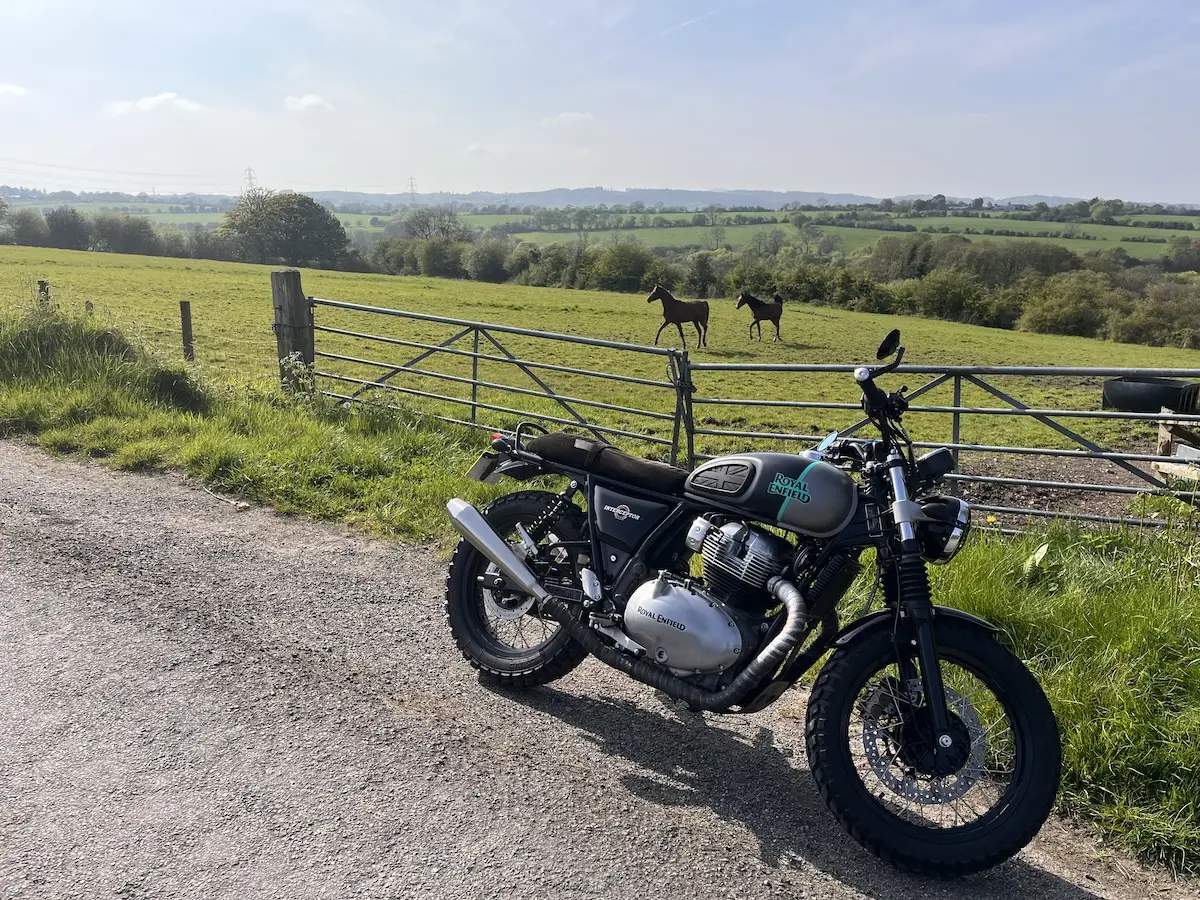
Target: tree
[118,233]
[1183,254]
[249,223]
[977,203]
[485,261]
[807,234]
[425,222]
[700,275]
[621,267]
[828,244]
[303,232]
[291,228]
[68,229]
[716,237]
[1078,303]
[440,257]
[27,227]
[887,204]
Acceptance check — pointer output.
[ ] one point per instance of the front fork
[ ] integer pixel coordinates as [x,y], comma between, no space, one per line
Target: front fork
[914,637]
[913,601]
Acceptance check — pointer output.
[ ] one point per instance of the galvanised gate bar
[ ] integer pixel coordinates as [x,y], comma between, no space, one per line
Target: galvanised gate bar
[665,415]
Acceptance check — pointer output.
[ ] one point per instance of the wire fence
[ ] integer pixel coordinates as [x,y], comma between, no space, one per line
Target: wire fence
[1069,459]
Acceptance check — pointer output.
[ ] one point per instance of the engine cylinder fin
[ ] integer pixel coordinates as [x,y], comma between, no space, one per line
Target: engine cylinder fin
[739,560]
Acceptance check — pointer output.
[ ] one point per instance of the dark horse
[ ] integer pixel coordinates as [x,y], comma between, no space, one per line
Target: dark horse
[769,311]
[676,312]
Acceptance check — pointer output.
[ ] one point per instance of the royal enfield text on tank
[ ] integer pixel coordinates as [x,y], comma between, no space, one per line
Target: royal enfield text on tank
[929,740]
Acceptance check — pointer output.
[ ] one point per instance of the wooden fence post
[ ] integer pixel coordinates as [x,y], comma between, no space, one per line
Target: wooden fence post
[293,329]
[185,324]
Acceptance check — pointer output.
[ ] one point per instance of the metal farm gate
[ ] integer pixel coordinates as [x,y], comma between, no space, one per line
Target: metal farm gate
[659,402]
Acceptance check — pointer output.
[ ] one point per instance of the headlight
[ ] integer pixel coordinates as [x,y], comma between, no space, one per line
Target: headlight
[942,534]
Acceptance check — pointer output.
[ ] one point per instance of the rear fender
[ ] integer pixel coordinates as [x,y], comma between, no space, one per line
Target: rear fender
[885,617]
[490,467]
[518,469]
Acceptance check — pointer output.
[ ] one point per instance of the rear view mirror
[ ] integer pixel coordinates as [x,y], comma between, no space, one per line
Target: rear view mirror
[889,345]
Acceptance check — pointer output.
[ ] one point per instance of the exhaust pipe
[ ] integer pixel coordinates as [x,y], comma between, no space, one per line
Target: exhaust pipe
[468,522]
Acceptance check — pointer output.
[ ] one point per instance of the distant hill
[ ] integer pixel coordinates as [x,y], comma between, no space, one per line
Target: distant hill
[595,196]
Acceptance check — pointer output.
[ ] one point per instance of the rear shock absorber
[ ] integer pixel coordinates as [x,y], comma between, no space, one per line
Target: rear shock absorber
[540,527]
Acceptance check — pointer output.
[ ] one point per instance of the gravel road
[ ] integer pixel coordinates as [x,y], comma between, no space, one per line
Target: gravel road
[205,702]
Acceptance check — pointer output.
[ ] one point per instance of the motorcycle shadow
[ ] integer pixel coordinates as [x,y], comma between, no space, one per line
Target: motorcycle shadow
[746,777]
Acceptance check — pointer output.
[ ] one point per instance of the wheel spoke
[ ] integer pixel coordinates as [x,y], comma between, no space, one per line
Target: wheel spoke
[895,734]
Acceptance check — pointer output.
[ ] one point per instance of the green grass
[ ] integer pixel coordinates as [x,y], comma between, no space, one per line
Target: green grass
[1109,621]
[232,314]
[80,387]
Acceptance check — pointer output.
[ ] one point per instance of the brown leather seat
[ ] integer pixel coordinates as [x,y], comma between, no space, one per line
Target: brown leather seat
[602,459]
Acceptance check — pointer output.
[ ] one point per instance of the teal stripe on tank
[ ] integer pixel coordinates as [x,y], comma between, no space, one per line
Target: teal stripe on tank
[786,500]
[806,468]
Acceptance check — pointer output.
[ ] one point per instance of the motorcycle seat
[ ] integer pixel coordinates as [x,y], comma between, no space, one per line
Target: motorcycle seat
[607,461]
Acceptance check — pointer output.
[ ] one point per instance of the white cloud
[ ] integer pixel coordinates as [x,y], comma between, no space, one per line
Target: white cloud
[569,118]
[167,100]
[11,93]
[307,102]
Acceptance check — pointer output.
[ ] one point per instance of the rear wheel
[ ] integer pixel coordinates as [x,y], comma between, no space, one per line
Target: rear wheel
[501,632]
[965,808]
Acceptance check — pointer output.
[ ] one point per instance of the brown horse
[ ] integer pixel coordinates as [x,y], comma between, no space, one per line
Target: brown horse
[769,311]
[676,312]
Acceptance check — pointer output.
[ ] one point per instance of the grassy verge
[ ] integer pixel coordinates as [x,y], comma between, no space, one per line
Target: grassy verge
[73,386]
[1109,621]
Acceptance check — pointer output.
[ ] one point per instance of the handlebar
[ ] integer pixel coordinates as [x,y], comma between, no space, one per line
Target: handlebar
[883,409]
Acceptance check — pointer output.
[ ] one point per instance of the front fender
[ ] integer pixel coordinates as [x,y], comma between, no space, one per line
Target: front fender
[885,617]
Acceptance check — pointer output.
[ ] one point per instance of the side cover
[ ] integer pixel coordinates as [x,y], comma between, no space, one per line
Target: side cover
[813,498]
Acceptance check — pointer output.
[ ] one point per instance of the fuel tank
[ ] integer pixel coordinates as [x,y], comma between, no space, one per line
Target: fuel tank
[797,493]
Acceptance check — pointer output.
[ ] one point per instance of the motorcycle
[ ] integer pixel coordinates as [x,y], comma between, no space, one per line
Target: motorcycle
[930,741]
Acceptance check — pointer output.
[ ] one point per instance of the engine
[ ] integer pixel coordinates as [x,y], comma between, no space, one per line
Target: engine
[739,560]
[694,630]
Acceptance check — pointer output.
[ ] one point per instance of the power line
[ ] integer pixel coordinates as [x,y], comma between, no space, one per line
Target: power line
[58,166]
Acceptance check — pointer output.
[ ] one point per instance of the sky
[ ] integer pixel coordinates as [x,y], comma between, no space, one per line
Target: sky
[877,97]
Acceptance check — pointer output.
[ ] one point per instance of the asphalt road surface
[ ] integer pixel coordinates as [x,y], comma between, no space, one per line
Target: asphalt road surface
[201,701]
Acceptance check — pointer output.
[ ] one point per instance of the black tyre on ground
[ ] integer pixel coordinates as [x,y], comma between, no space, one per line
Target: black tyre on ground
[1147,394]
[866,735]
[501,634]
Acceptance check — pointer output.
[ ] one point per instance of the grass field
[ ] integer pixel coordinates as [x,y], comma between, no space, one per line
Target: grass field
[231,310]
[1108,621]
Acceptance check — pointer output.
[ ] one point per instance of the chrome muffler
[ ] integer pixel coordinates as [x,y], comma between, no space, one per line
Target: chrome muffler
[470,523]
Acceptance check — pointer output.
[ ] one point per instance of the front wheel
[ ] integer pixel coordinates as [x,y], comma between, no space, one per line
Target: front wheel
[870,747]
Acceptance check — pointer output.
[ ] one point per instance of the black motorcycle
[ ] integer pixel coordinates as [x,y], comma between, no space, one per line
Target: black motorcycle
[929,740]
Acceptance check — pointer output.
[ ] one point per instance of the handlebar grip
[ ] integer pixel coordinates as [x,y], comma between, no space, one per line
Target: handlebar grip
[874,395]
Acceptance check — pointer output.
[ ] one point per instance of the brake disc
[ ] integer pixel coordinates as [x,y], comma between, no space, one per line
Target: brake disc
[504,605]
[508,606]
[883,750]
